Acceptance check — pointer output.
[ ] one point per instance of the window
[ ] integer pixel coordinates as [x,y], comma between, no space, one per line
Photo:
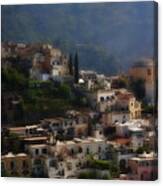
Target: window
[107,97]
[88,150]
[12,165]
[24,164]
[36,151]
[44,151]
[101,98]
[80,150]
[52,163]
[147,164]
[72,151]
[69,166]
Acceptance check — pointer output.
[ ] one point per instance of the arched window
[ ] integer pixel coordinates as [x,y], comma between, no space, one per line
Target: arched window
[108,98]
[101,99]
[80,150]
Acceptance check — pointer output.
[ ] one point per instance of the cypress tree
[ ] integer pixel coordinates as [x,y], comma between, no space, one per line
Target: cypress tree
[70,65]
[76,69]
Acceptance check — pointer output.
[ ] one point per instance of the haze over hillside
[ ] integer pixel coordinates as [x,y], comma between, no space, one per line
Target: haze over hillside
[108,36]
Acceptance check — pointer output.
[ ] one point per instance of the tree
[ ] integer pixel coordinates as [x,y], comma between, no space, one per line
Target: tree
[12,79]
[11,143]
[138,87]
[149,109]
[64,91]
[144,148]
[70,65]
[110,165]
[76,70]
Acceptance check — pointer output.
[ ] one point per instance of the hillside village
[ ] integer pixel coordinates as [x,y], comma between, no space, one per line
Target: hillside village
[60,121]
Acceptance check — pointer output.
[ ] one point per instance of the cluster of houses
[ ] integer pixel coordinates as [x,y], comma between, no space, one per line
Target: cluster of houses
[59,147]
[45,60]
[45,154]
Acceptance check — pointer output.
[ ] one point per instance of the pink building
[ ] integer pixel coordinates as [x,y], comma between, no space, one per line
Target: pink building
[143,167]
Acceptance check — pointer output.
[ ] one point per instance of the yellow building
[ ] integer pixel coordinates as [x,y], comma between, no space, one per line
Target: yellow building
[16,165]
[135,108]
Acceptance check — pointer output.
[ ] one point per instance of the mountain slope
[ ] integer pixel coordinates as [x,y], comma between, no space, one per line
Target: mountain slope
[122,30]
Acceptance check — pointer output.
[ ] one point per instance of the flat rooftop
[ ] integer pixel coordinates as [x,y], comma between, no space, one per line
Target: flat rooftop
[38,145]
[36,138]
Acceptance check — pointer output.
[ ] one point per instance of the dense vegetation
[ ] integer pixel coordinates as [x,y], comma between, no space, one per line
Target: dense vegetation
[96,166]
[37,99]
[109,165]
[93,174]
[11,143]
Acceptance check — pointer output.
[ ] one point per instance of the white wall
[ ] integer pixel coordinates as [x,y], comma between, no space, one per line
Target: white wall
[120,117]
[104,94]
